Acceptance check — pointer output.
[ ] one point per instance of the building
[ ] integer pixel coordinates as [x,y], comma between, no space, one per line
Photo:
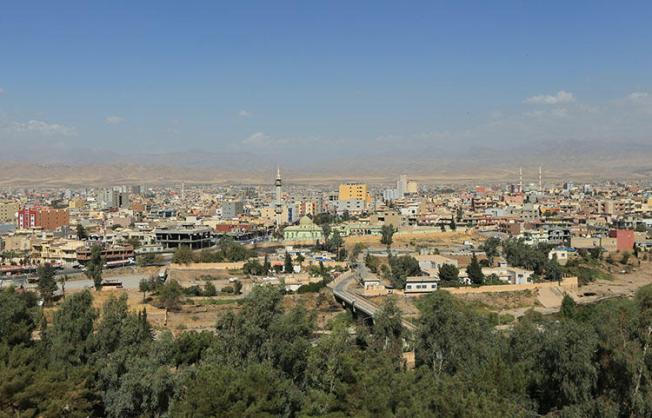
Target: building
[110,253]
[232,209]
[305,231]
[8,211]
[625,239]
[354,191]
[42,217]
[114,198]
[420,284]
[184,235]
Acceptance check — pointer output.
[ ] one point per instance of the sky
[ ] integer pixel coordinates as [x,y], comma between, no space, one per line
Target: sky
[310,79]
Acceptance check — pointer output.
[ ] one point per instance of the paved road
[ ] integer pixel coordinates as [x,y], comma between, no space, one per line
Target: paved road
[129,281]
[340,289]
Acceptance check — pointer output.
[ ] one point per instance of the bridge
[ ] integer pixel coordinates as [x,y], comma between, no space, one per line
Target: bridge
[355,302]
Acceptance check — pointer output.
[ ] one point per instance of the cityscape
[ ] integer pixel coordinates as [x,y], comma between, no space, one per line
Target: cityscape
[325,210]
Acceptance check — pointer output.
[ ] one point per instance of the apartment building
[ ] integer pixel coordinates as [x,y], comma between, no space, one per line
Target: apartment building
[8,210]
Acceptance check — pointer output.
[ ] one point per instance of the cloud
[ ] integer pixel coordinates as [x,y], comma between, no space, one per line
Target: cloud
[2,91]
[114,120]
[258,139]
[245,114]
[637,95]
[561,97]
[44,128]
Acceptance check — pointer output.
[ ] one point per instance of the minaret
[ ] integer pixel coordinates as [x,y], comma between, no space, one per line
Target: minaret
[278,210]
[183,191]
[520,179]
[540,182]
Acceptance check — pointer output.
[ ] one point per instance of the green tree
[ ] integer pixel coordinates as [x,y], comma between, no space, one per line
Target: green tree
[474,271]
[387,235]
[69,336]
[182,255]
[490,248]
[62,282]
[267,266]
[17,313]
[144,286]
[553,270]
[403,267]
[237,287]
[568,307]
[94,267]
[300,259]
[47,284]
[169,295]
[253,267]
[287,264]
[449,273]
[388,329]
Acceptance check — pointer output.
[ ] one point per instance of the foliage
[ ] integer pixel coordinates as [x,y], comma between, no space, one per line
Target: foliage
[387,235]
[182,255]
[94,266]
[403,267]
[169,295]
[449,273]
[474,271]
[287,263]
[47,284]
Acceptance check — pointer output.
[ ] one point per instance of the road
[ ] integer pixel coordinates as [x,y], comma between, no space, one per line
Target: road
[340,289]
[129,281]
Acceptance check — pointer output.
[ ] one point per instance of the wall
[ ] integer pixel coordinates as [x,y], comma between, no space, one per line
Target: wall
[569,283]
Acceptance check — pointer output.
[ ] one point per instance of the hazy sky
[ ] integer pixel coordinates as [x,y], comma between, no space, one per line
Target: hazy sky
[315,77]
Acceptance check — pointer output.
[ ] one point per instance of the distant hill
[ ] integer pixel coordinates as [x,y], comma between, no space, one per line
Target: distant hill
[560,160]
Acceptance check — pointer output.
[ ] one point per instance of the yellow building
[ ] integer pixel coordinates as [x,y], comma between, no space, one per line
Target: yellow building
[76,203]
[8,210]
[412,187]
[354,191]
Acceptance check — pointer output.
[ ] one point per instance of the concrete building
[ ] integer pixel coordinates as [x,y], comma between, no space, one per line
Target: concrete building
[232,209]
[43,217]
[354,191]
[8,211]
[184,235]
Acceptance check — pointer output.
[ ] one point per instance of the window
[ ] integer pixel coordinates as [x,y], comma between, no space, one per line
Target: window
[409,286]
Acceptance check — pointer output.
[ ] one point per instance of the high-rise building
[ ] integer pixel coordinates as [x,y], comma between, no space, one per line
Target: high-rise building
[232,209]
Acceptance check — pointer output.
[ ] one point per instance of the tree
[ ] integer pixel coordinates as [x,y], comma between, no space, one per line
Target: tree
[387,235]
[388,329]
[449,273]
[254,267]
[474,271]
[553,270]
[490,248]
[62,281]
[169,295]
[568,307]
[237,287]
[266,265]
[16,317]
[71,330]
[94,267]
[47,284]
[300,259]
[144,286]
[182,255]
[287,264]
[453,225]
[81,232]
[403,267]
